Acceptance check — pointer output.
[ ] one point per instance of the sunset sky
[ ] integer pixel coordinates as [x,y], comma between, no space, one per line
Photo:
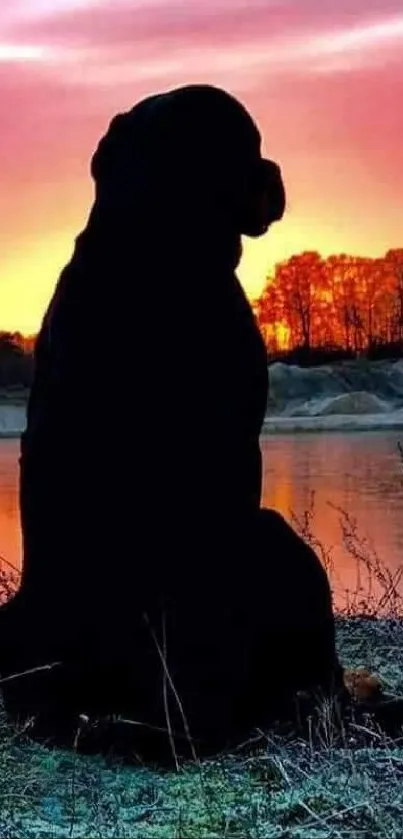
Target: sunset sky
[324,80]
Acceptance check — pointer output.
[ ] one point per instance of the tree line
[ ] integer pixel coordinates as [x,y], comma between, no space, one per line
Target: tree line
[16,360]
[312,308]
[343,302]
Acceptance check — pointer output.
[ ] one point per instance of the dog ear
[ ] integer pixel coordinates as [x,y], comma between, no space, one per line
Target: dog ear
[263,201]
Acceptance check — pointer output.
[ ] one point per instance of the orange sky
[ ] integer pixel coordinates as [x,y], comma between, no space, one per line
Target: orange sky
[323,79]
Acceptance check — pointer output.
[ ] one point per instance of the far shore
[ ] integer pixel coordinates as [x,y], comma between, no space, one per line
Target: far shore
[16,395]
[13,405]
[13,419]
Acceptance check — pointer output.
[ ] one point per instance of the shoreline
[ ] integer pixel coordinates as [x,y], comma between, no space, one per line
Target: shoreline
[12,422]
[332,423]
[12,417]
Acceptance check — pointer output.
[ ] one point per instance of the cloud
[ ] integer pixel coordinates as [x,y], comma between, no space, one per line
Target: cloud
[131,42]
[10,53]
[357,38]
[15,53]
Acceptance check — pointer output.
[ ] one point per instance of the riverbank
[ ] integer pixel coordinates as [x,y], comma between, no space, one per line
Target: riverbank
[357,395]
[13,420]
[274,788]
[13,408]
[334,422]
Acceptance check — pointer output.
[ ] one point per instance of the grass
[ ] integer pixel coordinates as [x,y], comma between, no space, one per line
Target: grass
[274,786]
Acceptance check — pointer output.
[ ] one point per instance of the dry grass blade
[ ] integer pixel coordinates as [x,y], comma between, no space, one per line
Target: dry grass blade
[172,686]
[42,667]
[165,695]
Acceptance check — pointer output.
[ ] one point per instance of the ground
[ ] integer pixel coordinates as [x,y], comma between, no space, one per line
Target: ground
[274,787]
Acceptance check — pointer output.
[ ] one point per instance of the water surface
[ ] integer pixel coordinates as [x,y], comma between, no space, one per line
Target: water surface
[360,472]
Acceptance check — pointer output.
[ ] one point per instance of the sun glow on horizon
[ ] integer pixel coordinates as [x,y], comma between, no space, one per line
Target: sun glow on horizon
[32,275]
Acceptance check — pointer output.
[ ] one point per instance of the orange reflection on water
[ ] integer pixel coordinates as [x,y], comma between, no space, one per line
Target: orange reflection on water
[360,473]
[10,534]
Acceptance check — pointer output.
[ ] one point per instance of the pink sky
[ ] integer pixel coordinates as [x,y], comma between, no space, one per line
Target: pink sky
[323,80]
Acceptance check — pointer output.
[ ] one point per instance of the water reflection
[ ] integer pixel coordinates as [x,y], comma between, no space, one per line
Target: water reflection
[359,472]
[10,536]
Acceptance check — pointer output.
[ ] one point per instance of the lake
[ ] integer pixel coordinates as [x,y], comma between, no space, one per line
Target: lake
[359,472]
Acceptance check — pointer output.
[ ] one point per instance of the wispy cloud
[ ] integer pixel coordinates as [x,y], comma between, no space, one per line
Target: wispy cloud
[10,53]
[357,38]
[114,43]
[15,53]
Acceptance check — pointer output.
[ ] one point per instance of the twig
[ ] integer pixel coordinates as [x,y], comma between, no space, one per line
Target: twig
[28,672]
[10,565]
[339,813]
[165,695]
[314,815]
[161,655]
[147,725]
